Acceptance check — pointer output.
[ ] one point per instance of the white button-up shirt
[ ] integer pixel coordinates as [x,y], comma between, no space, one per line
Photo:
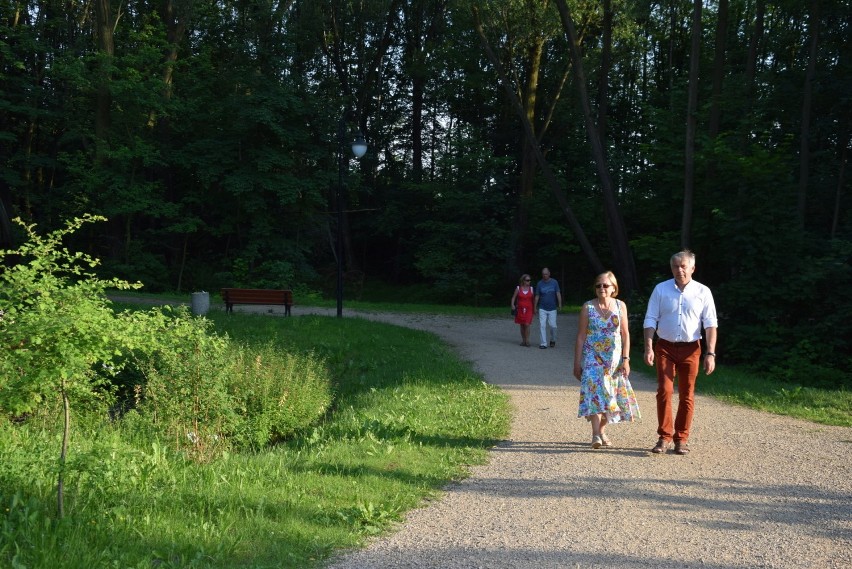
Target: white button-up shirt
[678,316]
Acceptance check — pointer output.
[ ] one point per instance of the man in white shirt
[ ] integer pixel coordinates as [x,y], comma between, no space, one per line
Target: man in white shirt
[677,311]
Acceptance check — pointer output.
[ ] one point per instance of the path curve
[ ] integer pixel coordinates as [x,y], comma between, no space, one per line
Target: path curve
[758,490]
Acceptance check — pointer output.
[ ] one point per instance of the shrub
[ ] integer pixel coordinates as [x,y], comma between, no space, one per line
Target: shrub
[277,393]
[184,395]
[59,338]
[205,393]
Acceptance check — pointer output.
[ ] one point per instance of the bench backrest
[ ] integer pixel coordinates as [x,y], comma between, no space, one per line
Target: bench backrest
[256,296]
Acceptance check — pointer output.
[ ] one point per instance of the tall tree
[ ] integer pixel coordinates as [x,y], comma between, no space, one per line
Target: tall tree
[603,74]
[104,32]
[619,242]
[555,188]
[425,22]
[691,120]
[367,34]
[807,96]
[718,70]
[522,34]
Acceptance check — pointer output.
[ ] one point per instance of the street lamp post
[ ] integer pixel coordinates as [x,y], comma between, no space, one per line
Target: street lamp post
[359,148]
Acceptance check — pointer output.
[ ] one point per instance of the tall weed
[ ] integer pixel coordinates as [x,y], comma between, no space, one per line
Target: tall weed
[185,394]
[276,393]
[206,393]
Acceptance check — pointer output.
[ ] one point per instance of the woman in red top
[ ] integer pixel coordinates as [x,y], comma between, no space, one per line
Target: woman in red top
[522,307]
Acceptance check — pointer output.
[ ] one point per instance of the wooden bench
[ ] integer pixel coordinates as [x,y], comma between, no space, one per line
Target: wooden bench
[232,296]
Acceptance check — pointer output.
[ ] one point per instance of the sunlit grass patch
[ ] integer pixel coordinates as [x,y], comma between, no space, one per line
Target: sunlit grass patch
[407,418]
[750,389]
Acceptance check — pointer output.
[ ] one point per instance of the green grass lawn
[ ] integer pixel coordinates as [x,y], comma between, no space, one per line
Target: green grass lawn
[749,389]
[409,417]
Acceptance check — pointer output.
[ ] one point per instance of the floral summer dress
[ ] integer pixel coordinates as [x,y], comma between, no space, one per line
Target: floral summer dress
[603,387]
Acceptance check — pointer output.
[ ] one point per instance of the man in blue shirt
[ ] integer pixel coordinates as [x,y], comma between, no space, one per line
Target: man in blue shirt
[548,299]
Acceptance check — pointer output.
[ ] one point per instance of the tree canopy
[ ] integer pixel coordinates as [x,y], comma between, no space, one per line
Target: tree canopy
[504,136]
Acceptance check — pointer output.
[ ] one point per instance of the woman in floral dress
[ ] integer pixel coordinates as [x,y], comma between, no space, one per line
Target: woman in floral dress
[602,361]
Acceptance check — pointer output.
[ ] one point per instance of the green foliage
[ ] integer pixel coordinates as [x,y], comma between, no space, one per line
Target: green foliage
[277,394]
[184,395]
[778,328]
[205,393]
[463,237]
[412,418]
[57,329]
[63,340]
[66,348]
[216,161]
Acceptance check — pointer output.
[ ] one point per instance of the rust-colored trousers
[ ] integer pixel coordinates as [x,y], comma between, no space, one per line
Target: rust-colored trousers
[681,360]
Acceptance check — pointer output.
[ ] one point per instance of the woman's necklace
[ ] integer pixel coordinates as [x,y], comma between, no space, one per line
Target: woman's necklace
[604,311]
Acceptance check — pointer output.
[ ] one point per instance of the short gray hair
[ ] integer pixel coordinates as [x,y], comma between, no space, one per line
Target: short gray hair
[681,255]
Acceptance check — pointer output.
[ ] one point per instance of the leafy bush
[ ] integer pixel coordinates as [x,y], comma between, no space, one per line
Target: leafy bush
[207,393]
[65,348]
[60,337]
[184,394]
[277,393]
[779,326]
[59,334]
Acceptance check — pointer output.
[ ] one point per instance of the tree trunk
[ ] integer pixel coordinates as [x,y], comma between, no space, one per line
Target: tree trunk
[753,46]
[691,112]
[422,30]
[603,81]
[418,88]
[369,66]
[106,45]
[66,436]
[624,263]
[841,178]
[671,64]
[175,28]
[5,228]
[750,72]
[529,96]
[526,182]
[512,95]
[718,70]
[804,147]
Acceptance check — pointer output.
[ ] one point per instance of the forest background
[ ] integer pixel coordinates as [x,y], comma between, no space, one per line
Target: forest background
[504,136]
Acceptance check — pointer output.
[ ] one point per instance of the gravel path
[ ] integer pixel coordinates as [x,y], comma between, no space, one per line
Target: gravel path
[757,490]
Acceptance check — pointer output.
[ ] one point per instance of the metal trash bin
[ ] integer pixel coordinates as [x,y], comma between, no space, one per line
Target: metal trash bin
[200,303]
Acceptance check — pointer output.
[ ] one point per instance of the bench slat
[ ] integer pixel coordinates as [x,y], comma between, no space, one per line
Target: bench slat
[257,298]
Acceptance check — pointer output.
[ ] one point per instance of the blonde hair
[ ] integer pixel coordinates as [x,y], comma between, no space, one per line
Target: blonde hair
[609,275]
[523,278]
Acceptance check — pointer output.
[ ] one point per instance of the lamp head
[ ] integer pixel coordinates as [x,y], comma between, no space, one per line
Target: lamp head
[359,145]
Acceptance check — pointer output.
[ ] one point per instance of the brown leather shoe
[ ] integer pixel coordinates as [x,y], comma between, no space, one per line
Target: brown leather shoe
[681,448]
[661,447]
